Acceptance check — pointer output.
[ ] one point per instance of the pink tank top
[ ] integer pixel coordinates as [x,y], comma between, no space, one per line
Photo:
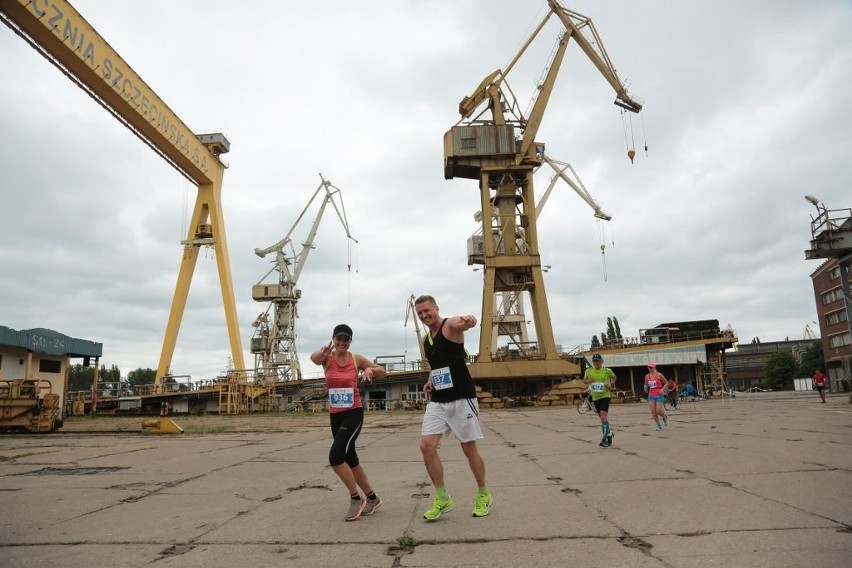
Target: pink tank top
[342,384]
[655,382]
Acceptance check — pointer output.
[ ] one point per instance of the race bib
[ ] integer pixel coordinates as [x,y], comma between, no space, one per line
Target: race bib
[341,398]
[652,384]
[441,378]
[598,387]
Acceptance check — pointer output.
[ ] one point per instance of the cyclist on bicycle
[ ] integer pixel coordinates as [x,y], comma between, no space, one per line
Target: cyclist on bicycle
[600,380]
[672,394]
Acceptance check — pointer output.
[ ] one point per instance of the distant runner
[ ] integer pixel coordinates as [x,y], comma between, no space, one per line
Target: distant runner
[820,383]
[655,385]
[601,380]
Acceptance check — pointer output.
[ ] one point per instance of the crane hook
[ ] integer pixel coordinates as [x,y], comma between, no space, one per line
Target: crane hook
[630,154]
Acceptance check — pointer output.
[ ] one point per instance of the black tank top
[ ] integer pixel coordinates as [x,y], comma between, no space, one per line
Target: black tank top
[441,352]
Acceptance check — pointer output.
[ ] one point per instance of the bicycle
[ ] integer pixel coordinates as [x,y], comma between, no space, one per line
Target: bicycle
[586,404]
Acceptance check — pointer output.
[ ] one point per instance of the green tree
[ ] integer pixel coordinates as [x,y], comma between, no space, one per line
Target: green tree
[141,377]
[80,378]
[780,370]
[604,338]
[595,341]
[613,330]
[110,379]
[812,359]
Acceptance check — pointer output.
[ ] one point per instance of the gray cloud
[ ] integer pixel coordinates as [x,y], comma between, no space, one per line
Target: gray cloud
[744,115]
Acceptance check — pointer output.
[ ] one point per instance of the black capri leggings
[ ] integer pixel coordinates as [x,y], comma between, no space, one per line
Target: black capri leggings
[601,404]
[345,427]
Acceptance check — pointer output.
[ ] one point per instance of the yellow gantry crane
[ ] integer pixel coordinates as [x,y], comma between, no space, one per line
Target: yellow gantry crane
[494,143]
[59,33]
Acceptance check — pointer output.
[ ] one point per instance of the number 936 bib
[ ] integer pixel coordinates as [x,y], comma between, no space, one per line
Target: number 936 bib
[341,398]
[441,378]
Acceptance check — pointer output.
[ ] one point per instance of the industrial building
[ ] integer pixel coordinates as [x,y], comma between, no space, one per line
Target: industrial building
[834,328]
[34,367]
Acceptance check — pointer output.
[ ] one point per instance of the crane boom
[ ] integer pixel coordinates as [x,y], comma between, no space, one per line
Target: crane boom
[494,88]
[595,51]
[59,33]
[574,25]
[274,343]
[411,311]
[559,169]
[57,30]
[489,151]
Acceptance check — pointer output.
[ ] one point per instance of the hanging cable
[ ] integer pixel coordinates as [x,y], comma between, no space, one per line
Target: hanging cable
[645,140]
[632,141]
[602,241]
[349,273]
[631,153]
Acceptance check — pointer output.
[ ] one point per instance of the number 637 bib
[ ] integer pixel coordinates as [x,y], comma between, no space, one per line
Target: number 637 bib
[441,378]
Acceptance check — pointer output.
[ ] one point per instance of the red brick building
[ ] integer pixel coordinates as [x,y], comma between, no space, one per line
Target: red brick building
[833,312]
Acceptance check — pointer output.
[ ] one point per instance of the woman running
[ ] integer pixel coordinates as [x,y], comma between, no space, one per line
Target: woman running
[655,384]
[347,416]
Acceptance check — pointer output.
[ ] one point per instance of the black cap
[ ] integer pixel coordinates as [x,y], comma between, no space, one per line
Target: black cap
[342,329]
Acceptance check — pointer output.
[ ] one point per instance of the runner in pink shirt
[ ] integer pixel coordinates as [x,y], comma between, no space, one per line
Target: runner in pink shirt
[655,386]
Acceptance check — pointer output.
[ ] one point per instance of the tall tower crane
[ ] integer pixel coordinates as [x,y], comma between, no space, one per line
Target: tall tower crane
[59,33]
[501,152]
[509,313]
[274,340]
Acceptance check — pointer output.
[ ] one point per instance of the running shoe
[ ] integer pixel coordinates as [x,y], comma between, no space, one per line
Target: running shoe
[609,438]
[482,506]
[438,508]
[665,419]
[356,506]
[371,506]
[658,428]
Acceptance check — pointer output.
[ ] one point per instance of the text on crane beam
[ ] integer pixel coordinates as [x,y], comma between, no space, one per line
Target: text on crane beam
[128,85]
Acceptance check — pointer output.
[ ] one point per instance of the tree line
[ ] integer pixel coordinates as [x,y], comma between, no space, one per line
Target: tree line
[80,377]
[782,367]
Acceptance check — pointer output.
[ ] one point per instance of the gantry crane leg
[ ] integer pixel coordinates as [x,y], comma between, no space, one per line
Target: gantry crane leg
[207,212]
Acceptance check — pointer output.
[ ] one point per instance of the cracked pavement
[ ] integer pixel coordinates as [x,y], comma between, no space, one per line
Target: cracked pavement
[770,486]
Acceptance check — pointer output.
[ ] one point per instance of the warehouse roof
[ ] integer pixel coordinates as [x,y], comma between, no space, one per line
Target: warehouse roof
[49,342]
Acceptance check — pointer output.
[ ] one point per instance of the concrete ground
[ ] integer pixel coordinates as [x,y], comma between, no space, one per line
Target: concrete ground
[771,485]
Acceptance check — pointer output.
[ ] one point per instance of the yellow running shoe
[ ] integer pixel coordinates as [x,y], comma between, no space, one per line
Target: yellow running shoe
[438,508]
[483,505]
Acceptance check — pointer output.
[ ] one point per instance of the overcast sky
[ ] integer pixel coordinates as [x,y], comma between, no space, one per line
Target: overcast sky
[747,110]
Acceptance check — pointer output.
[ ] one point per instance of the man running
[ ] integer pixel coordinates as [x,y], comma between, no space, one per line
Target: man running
[453,405]
[820,382]
[601,380]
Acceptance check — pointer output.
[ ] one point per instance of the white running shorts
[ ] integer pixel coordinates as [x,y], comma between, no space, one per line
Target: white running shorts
[459,416]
